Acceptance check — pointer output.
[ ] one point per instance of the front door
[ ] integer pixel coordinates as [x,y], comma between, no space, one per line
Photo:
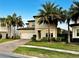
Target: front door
[39,34]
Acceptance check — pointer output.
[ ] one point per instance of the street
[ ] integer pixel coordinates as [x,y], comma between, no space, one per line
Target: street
[11,55]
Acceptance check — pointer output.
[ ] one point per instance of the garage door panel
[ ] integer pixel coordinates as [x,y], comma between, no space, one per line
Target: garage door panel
[26,35]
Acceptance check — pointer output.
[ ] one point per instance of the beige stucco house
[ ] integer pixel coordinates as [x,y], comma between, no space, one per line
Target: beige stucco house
[34,28]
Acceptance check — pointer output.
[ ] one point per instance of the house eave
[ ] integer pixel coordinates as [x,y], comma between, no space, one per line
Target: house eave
[26,29]
[3,31]
[38,16]
[72,25]
[31,20]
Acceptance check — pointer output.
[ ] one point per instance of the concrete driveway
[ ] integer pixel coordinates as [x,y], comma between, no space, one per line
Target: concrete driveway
[7,48]
[11,45]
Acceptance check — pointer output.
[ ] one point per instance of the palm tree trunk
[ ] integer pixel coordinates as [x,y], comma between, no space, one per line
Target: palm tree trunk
[14,32]
[68,33]
[49,33]
[10,32]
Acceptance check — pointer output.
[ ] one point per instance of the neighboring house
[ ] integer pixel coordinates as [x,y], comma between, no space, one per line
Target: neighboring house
[5,32]
[34,28]
[75,31]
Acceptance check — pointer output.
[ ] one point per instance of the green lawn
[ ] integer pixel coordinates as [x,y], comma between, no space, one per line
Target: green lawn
[59,45]
[5,40]
[43,53]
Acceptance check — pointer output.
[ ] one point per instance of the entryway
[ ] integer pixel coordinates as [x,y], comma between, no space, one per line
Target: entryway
[39,34]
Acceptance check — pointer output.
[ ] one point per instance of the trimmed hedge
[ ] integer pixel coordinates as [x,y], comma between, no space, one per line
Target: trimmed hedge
[46,39]
[33,38]
[59,39]
[53,39]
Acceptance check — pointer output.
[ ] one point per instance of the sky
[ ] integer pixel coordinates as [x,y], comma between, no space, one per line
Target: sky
[29,8]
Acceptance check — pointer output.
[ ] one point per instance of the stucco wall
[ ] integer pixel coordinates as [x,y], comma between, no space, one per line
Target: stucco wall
[3,35]
[44,31]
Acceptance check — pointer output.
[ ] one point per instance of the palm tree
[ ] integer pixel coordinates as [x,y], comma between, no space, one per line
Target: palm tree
[19,22]
[68,19]
[72,14]
[75,11]
[16,22]
[8,21]
[12,20]
[50,14]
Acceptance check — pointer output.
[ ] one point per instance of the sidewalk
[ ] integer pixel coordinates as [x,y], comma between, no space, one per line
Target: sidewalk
[52,49]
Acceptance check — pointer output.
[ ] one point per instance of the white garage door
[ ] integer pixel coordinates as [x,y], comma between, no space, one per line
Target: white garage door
[26,35]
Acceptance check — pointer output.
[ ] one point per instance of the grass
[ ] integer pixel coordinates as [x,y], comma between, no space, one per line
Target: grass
[5,40]
[43,53]
[58,45]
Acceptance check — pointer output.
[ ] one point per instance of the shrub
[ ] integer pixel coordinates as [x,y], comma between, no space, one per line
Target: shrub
[64,36]
[59,39]
[0,36]
[44,39]
[16,37]
[33,38]
[52,38]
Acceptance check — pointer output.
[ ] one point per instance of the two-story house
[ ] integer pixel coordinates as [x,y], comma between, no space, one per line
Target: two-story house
[3,31]
[75,31]
[34,28]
